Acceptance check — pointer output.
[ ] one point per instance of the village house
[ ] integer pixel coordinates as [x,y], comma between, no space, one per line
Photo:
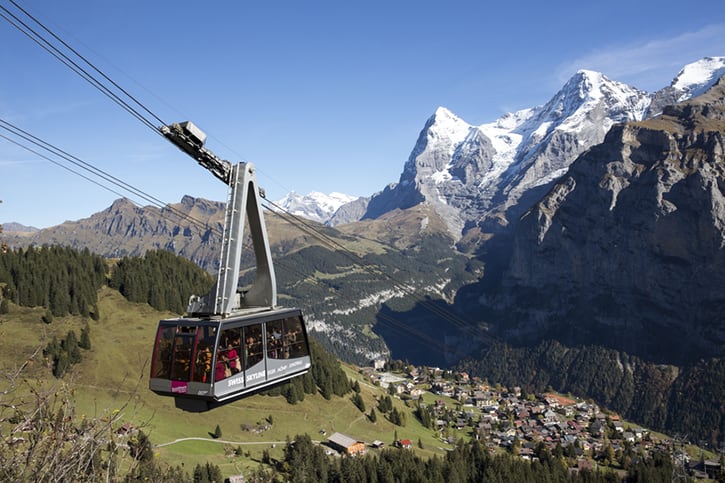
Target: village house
[347,445]
[404,443]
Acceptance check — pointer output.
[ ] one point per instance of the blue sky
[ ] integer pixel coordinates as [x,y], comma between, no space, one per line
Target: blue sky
[320,96]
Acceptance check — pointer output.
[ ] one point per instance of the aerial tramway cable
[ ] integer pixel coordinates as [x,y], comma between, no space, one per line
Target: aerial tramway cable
[112,180]
[48,46]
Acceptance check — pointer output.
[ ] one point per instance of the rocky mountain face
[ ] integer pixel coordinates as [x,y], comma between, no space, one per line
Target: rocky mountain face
[17,228]
[627,249]
[191,229]
[482,178]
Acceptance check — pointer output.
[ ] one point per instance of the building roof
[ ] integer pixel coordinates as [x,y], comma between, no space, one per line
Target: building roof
[343,440]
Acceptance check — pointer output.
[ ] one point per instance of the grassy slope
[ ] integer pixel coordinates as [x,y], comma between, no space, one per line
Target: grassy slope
[114,375]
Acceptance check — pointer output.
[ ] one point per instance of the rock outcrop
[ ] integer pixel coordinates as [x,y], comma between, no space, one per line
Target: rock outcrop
[628,248]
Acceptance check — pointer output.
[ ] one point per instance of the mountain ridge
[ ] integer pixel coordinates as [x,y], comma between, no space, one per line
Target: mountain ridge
[482,178]
[637,226]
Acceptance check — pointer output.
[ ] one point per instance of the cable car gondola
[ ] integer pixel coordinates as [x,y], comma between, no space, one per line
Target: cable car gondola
[231,343]
[203,362]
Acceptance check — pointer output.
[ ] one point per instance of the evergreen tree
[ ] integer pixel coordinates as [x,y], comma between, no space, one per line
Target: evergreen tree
[85,342]
[326,389]
[208,473]
[163,280]
[373,416]
[140,447]
[61,364]
[60,279]
[217,432]
[357,400]
[200,475]
[52,350]
[48,317]
[385,404]
[70,345]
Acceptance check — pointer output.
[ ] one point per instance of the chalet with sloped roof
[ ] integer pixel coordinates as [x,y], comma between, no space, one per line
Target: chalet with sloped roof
[347,445]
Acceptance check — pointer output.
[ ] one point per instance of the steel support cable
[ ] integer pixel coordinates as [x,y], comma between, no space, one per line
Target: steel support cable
[55,52]
[311,230]
[60,164]
[99,173]
[65,44]
[78,162]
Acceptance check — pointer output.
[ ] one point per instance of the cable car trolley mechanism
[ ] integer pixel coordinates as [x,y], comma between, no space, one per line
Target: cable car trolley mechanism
[230,344]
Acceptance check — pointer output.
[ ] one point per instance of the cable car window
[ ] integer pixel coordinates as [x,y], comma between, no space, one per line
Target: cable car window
[162,353]
[181,360]
[204,355]
[275,340]
[228,359]
[254,349]
[295,337]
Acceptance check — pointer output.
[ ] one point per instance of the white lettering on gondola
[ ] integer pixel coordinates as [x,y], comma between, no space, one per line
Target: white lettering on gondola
[235,381]
[256,375]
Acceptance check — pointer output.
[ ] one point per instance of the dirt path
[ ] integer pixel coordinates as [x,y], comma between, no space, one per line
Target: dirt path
[223,441]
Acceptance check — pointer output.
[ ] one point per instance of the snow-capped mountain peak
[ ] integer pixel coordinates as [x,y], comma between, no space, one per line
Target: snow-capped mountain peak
[468,173]
[482,178]
[444,124]
[697,77]
[314,206]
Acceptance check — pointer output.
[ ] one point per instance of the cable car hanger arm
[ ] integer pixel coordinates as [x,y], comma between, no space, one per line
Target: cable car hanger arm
[224,298]
[190,139]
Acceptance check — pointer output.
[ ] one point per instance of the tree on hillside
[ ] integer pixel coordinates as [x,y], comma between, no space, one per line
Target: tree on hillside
[47,317]
[397,417]
[62,355]
[357,400]
[385,404]
[140,447]
[61,279]
[163,280]
[85,342]
[207,473]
